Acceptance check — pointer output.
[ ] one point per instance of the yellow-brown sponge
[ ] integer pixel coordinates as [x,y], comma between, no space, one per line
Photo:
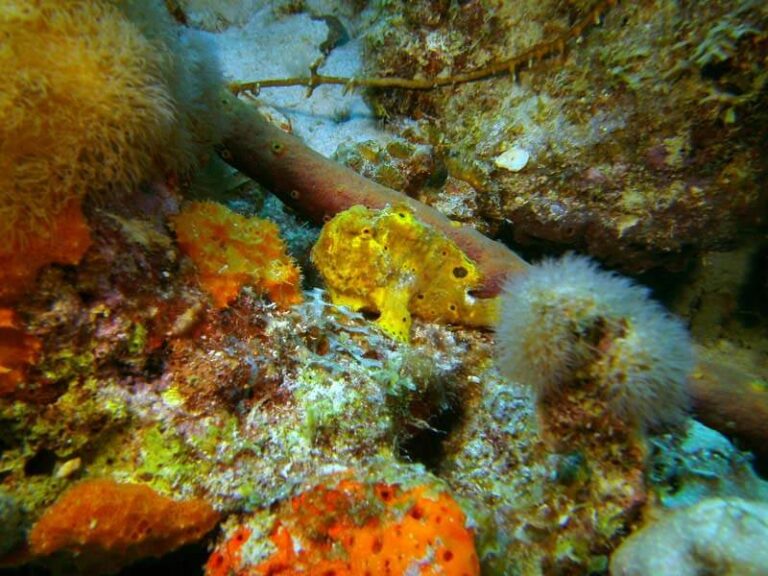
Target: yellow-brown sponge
[89,102]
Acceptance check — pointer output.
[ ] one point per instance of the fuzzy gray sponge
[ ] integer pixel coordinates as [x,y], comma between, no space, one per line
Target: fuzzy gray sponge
[567,316]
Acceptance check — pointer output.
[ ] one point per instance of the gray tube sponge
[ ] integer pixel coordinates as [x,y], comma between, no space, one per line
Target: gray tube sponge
[567,319]
[190,71]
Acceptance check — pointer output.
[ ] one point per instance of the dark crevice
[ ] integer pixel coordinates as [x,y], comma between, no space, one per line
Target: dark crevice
[427,445]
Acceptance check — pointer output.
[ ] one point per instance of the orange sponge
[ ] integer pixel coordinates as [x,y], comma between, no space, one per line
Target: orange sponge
[17,350]
[65,240]
[106,525]
[355,529]
[231,251]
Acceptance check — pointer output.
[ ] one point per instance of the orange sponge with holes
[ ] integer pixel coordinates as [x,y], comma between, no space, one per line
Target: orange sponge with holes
[356,529]
[105,525]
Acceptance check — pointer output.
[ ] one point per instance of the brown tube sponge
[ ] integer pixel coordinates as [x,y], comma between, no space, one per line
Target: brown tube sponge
[319,188]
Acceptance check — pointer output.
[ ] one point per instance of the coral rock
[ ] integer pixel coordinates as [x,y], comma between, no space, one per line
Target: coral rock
[716,536]
[11,523]
[106,525]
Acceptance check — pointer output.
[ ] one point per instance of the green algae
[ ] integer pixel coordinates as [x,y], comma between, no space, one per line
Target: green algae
[137,339]
[66,365]
[165,461]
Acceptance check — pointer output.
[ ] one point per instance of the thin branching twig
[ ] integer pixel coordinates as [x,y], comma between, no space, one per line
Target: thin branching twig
[509,66]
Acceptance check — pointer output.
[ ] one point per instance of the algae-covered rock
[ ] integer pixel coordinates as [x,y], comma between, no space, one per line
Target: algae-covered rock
[685,469]
[11,523]
[641,143]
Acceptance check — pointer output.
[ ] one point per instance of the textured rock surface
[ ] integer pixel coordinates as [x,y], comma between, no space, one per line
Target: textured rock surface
[11,523]
[716,536]
[643,139]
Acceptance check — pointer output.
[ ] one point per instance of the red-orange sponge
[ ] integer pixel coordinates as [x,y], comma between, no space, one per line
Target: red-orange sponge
[106,525]
[64,240]
[17,351]
[354,529]
[231,251]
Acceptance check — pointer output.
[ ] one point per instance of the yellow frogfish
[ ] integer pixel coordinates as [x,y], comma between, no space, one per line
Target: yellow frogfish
[388,262]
